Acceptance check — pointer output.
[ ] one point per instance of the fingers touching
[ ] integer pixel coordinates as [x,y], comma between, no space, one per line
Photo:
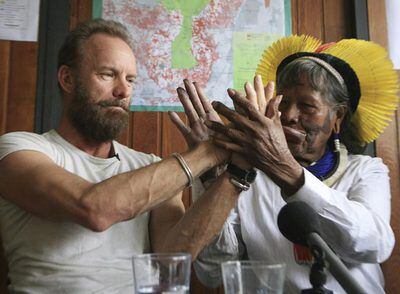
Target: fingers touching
[247,107]
[227,136]
[251,94]
[269,94]
[259,88]
[259,96]
[272,111]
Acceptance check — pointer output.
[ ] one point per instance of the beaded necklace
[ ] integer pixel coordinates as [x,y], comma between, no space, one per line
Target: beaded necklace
[325,166]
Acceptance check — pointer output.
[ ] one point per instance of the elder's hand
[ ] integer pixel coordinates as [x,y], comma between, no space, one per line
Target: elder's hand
[260,139]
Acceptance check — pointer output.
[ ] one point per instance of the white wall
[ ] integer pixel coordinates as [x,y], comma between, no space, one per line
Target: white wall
[393,25]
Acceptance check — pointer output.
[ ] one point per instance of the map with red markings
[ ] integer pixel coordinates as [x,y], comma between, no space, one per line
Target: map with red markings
[216,43]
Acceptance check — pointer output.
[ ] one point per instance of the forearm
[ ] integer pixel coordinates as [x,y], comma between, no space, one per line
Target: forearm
[204,219]
[141,190]
[227,246]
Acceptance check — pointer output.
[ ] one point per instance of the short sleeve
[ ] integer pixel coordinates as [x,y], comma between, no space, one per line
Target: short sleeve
[24,141]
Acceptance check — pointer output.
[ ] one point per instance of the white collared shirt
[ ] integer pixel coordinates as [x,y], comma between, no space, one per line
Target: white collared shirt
[355,217]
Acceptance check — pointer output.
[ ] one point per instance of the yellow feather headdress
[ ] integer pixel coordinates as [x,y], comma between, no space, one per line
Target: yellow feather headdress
[377,82]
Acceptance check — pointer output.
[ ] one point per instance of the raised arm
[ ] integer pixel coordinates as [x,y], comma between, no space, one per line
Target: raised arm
[206,216]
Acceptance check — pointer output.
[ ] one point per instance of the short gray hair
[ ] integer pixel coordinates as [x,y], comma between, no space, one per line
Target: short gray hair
[72,49]
[319,78]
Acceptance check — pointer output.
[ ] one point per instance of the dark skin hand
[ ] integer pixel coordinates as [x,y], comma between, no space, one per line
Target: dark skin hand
[260,139]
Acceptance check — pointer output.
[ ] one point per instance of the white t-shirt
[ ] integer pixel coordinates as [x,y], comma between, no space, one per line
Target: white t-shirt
[355,217]
[64,257]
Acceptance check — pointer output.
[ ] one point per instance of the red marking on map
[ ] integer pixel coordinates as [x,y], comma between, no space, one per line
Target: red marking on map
[155,28]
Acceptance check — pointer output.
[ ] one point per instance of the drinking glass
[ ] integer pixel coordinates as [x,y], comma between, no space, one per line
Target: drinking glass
[252,277]
[165,273]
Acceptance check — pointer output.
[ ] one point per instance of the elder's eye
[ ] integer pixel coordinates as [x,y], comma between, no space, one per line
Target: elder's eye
[307,105]
[284,102]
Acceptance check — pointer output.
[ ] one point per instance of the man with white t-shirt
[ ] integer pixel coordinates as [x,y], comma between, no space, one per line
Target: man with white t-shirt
[75,205]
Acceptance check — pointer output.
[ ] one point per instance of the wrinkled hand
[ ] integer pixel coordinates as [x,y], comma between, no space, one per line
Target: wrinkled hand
[259,96]
[258,136]
[198,109]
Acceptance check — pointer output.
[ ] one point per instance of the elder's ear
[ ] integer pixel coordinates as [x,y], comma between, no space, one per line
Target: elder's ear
[66,78]
[340,114]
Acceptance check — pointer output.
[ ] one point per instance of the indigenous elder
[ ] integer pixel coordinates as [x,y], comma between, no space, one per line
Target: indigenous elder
[344,91]
[76,205]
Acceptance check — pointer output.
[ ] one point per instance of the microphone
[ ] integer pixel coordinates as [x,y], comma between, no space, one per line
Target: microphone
[300,224]
[117,156]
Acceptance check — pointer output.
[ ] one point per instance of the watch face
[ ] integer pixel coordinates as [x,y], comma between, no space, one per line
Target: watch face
[250,176]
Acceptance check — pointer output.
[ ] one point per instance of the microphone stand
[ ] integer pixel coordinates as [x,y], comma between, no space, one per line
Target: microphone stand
[317,273]
[300,224]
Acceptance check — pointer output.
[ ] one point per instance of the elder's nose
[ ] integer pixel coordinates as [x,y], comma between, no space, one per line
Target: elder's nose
[289,113]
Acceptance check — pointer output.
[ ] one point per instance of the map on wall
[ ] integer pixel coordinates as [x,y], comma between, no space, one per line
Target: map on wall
[216,43]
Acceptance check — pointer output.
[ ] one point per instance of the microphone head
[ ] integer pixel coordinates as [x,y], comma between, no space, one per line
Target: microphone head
[297,220]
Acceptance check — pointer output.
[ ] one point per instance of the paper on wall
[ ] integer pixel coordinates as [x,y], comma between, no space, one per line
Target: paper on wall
[19,20]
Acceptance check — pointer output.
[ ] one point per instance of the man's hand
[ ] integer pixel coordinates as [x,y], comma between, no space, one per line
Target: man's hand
[198,109]
[259,96]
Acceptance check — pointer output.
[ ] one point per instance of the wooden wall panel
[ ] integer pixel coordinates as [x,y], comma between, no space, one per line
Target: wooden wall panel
[17,85]
[172,140]
[338,20]
[328,20]
[398,133]
[4,79]
[80,10]
[388,148]
[310,18]
[294,11]
[146,132]
[22,87]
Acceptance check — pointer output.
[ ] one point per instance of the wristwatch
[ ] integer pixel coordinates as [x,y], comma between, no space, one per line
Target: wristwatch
[241,178]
